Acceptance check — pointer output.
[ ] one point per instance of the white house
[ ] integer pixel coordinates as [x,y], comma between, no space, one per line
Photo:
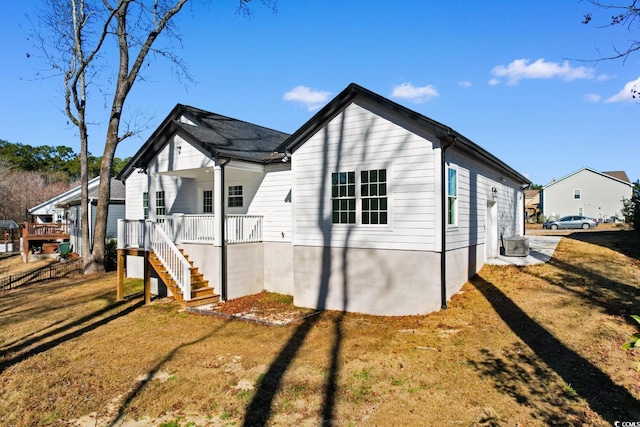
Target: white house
[52,210]
[587,192]
[352,212]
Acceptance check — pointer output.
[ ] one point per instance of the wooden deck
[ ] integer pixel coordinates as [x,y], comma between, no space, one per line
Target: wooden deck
[43,234]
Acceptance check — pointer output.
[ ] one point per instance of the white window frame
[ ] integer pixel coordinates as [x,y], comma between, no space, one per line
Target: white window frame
[452,222]
[357,200]
[581,210]
[577,194]
[161,195]
[145,204]
[235,196]
[203,192]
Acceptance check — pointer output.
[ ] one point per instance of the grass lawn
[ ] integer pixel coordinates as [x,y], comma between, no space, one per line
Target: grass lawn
[526,346]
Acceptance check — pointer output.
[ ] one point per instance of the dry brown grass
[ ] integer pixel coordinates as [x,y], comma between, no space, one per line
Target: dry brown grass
[526,346]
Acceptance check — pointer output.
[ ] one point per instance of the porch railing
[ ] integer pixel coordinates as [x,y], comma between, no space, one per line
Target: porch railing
[167,252]
[198,229]
[44,230]
[189,228]
[244,229]
[131,233]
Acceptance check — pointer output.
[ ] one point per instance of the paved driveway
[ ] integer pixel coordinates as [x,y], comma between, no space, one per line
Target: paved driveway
[541,250]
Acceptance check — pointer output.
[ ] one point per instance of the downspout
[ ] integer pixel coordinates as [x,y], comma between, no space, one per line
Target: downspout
[443,234]
[223,237]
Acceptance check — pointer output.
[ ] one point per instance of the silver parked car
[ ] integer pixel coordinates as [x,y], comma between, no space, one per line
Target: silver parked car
[571,221]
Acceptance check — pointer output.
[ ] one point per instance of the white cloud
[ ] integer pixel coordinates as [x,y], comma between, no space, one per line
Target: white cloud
[592,97]
[626,94]
[465,84]
[494,82]
[310,98]
[523,69]
[414,93]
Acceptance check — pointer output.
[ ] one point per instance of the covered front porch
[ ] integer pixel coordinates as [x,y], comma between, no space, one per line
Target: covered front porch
[187,252]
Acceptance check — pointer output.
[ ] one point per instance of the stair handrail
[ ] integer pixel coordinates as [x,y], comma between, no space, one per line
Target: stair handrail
[172,259]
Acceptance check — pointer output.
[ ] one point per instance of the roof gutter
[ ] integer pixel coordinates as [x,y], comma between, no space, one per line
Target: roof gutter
[451,141]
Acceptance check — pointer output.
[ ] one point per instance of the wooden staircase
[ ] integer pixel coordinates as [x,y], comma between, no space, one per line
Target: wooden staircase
[201,292]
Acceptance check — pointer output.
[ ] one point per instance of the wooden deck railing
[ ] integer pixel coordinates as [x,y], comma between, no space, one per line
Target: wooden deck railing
[45,231]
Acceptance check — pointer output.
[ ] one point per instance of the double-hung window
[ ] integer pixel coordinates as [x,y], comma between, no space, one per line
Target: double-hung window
[207,201]
[160,204]
[373,193]
[145,205]
[577,194]
[372,206]
[343,197]
[234,199]
[452,196]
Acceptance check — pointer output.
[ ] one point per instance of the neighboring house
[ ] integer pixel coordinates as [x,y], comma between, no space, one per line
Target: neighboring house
[352,212]
[73,210]
[532,205]
[57,220]
[587,192]
[52,210]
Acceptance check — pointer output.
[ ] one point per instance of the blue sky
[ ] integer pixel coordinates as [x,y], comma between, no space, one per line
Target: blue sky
[506,74]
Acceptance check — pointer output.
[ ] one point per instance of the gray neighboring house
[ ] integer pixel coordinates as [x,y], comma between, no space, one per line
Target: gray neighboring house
[368,207]
[587,192]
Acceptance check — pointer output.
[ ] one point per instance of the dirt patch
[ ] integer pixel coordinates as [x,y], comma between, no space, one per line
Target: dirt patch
[266,308]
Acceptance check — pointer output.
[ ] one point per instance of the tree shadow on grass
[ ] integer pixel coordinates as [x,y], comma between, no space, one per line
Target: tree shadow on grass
[521,375]
[622,241]
[119,418]
[85,324]
[608,399]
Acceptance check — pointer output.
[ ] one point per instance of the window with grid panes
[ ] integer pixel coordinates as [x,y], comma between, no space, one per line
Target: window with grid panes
[343,198]
[373,195]
[160,204]
[234,199]
[207,201]
[145,205]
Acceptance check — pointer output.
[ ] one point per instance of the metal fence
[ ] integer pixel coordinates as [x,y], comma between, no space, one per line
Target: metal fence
[52,271]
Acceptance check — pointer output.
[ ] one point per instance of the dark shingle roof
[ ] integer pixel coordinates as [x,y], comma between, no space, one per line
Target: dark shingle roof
[117,192]
[233,138]
[215,134]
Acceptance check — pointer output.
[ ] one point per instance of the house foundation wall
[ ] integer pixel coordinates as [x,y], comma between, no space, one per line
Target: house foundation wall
[463,264]
[278,267]
[245,269]
[372,281]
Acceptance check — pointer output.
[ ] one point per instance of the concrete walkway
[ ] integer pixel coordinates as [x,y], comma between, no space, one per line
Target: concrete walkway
[541,250]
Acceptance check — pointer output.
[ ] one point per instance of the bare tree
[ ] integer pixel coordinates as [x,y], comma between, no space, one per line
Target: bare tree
[625,14]
[75,40]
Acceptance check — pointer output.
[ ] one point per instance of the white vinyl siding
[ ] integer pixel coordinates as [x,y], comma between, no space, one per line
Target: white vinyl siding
[356,140]
[475,183]
[272,200]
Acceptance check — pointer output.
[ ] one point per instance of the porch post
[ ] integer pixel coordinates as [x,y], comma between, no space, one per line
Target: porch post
[218,199]
[120,287]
